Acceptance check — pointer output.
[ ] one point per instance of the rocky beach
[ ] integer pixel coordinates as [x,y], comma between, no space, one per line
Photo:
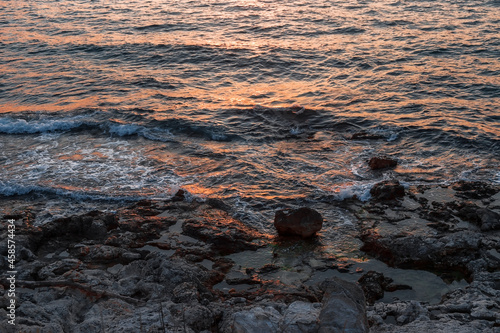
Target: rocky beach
[249,166]
[187,265]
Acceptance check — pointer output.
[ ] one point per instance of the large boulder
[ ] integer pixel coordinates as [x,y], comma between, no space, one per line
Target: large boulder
[303,222]
[343,308]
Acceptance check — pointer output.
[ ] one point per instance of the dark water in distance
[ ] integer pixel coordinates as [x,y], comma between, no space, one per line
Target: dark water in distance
[251,101]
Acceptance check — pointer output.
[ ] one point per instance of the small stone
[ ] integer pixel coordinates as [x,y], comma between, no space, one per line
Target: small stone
[303,222]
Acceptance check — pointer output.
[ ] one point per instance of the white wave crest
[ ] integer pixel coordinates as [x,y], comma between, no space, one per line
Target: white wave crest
[21,126]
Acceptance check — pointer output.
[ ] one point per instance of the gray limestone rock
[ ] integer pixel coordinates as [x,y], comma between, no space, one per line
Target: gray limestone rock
[255,320]
[343,308]
[301,317]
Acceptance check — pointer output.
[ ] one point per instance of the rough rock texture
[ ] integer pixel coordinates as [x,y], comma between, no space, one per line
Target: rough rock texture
[381,162]
[301,317]
[374,284]
[224,233]
[163,266]
[448,229]
[153,267]
[343,308]
[303,222]
[298,317]
[387,190]
[256,320]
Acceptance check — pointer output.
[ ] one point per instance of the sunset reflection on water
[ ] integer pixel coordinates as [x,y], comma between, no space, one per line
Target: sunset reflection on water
[255,102]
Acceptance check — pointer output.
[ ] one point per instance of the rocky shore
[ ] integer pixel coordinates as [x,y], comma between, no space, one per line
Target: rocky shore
[188,266]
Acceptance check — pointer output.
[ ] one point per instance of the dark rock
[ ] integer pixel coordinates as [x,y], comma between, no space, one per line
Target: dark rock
[474,190]
[186,292]
[376,163]
[485,218]
[224,233]
[93,225]
[343,308]
[374,284]
[58,268]
[303,222]
[219,204]
[453,251]
[387,190]
[198,317]
[489,220]
[180,195]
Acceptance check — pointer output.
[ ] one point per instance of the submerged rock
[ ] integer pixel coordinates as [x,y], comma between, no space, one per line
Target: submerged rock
[303,222]
[376,163]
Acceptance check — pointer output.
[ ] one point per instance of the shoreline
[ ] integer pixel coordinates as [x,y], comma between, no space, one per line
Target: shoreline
[176,264]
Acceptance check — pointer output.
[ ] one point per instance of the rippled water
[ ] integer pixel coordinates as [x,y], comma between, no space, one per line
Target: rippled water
[250,101]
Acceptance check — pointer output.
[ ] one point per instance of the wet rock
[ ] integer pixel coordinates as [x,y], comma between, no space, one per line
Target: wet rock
[224,233]
[304,222]
[237,277]
[374,284]
[93,225]
[387,190]
[255,320]
[376,163]
[485,218]
[343,308]
[219,204]
[453,251]
[474,189]
[301,317]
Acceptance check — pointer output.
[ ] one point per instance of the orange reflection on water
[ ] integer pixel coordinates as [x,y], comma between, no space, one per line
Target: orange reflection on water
[198,190]
[75,157]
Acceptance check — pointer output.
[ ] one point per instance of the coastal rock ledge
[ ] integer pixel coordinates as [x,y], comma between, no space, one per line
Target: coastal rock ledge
[304,222]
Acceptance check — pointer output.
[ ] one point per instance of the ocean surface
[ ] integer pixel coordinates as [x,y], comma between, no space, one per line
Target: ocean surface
[255,102]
